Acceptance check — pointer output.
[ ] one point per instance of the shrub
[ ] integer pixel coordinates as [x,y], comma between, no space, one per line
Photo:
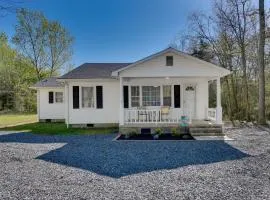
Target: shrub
[158,131]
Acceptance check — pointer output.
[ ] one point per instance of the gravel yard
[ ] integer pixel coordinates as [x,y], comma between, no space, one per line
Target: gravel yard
[95,167]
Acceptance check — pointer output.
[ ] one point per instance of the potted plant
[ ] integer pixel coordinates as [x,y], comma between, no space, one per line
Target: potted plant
[157,133]
[174,131]
[126,135]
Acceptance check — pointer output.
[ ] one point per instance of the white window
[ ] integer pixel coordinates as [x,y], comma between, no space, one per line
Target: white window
[167,95]
[88,100]
[151,96]
[59,97]
[135,96]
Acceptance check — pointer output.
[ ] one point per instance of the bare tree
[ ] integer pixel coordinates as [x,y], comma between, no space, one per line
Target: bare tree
[261,62]
[210,29]
[233,16]
[7,6]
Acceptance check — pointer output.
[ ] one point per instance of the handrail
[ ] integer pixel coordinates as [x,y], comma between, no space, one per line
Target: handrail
[153,115]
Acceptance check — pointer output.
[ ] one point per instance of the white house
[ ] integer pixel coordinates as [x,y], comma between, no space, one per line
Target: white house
[155,90]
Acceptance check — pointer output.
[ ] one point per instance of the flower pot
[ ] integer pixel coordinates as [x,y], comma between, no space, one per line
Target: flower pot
[126,136]
[155,137]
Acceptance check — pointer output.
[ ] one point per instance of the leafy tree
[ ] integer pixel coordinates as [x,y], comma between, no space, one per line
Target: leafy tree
[30,39]
[59,45]
[46,44]
[16,75]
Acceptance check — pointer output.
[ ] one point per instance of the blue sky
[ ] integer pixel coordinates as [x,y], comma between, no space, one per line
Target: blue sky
[115,30]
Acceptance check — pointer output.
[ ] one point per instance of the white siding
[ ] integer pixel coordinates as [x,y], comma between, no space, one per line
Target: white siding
[110,111]
[111,97]
[50,111]
[182,67]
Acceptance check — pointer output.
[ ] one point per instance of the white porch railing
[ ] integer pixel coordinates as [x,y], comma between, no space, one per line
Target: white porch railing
[212,114]
[132,116]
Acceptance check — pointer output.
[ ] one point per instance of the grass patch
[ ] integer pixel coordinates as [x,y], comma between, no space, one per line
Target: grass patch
[14,119]
[58,129]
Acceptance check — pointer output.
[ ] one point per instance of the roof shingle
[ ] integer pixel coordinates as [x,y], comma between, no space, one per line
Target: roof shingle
[93,70]
[48,82]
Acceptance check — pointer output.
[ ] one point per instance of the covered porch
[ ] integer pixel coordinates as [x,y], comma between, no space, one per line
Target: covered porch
[166,101]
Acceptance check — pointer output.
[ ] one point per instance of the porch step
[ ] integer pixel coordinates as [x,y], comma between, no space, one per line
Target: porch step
[205,126]
[203,131]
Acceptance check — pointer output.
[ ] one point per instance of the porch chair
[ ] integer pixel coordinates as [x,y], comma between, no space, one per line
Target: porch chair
[165,111]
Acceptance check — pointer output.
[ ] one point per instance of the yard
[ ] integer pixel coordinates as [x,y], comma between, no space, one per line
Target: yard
[15,119]
[35,166]
[28,123]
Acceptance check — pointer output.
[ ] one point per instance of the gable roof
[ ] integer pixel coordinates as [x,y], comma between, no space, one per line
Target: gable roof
[48,83]
[94,70]
[176,51]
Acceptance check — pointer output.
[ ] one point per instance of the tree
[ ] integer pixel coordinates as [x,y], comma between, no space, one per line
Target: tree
[202,51]
[46,44]
[59,44]
[16,75]
[30,38]
[261,62]
[233,16]
[7,6]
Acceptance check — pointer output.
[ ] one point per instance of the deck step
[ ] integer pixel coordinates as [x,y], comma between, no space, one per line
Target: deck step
[202,131]
[205,126]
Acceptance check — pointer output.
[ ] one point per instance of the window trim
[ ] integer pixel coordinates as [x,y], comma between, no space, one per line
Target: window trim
[171,94]
[167,59]
[55,97]
[160,93]
[94,96]
[139,87]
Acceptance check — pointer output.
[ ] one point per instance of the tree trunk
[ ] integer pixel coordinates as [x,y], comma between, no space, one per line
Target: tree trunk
[261,106]
[233,84]
[230,113]
[245,82]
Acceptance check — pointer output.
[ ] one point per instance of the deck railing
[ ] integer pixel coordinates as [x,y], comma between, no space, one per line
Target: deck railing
[212,114]
[150,116]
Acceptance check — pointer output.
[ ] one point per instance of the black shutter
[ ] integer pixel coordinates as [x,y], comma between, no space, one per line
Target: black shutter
[125,94]
[76,101]
[177,98]
[99,96]
[50,97]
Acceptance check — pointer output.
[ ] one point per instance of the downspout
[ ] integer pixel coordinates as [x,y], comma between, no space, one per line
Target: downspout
[38,106]
[67,101]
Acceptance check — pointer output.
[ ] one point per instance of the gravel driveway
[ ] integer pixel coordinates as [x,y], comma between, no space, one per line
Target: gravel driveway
[95,167]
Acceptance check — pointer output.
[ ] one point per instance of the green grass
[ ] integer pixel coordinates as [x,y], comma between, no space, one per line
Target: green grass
[28,123]
[14,119]
[58,129]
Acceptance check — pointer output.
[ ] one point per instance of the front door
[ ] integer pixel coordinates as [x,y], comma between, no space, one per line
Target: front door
[189,101]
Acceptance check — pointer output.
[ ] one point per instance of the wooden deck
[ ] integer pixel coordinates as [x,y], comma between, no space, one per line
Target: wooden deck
[196,128]
[194,123]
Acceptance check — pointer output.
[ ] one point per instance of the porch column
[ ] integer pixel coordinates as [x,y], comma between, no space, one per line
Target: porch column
[219,108]
[121,108]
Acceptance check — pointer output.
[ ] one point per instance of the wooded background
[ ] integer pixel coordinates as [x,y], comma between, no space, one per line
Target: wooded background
[43,49]
[234,36]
